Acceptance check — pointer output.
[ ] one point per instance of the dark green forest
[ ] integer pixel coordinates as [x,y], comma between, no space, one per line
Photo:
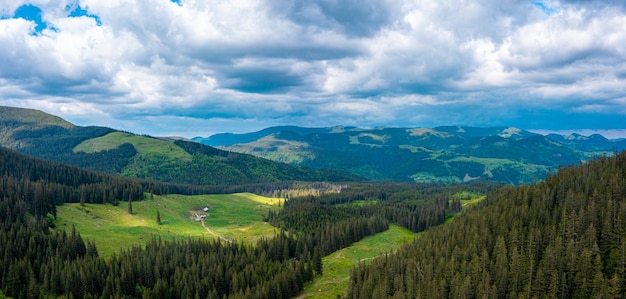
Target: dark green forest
[564,237]
[39,259]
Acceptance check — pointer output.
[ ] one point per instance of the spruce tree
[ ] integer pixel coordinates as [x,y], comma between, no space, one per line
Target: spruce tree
[158,218]
[317,261]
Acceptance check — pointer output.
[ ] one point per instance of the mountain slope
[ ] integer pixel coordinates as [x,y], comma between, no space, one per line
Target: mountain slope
[441,154]
[33,117]
[177,161]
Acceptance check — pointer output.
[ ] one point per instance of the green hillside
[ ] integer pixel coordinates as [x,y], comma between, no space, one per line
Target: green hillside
[234,217]
[33,117]
[143,144]
[16,124]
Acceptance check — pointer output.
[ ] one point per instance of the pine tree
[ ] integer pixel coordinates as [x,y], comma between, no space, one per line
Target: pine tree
[317,261]
[130,205]
[158,218]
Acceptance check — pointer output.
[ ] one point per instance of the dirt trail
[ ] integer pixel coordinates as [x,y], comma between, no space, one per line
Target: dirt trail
[214,233]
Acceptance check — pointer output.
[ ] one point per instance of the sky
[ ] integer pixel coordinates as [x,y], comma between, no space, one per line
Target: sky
[199,67]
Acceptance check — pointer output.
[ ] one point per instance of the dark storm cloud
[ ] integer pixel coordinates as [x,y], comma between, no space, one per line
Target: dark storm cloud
[259,80]
[351,17]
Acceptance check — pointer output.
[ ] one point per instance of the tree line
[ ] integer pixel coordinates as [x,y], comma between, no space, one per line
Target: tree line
[416,207]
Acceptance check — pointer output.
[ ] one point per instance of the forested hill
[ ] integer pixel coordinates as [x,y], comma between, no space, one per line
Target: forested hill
[43,184]
[562,238]
[451,154]
[40,260]
[46,136]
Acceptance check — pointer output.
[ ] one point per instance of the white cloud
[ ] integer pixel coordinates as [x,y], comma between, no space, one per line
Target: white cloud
[320,62]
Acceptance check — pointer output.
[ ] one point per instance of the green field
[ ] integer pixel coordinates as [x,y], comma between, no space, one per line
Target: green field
[337,266]
[468,198]
[233,216]
[144,145]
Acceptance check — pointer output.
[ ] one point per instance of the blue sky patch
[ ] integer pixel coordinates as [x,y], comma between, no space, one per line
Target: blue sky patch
[31,13]
[177,2]
[77,11]
[549,10]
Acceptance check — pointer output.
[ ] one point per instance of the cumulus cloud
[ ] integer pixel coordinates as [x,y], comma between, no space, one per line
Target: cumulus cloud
[199,67]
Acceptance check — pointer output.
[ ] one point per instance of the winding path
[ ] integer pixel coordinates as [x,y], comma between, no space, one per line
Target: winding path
[214,233]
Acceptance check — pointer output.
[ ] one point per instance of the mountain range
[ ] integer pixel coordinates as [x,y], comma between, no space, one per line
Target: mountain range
[173,160]
[447,154]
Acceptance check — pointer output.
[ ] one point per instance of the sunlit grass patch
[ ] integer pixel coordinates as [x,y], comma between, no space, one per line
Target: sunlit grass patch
[337,265]
[233,216]
[144,145]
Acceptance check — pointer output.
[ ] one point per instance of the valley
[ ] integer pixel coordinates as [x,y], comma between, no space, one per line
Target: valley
[93,212]
[312,149]
[337,265]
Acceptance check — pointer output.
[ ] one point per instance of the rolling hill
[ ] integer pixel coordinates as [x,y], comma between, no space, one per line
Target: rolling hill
[178,161]
[449,154]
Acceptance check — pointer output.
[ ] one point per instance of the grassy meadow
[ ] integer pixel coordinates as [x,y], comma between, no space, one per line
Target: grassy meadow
[337,265]
[232,216]
[469,199]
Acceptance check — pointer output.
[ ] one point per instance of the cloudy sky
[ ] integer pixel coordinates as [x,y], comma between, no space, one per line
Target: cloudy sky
[199,67]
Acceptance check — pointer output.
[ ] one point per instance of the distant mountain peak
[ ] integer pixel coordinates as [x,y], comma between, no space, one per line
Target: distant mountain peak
[575,136]
[32,116]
